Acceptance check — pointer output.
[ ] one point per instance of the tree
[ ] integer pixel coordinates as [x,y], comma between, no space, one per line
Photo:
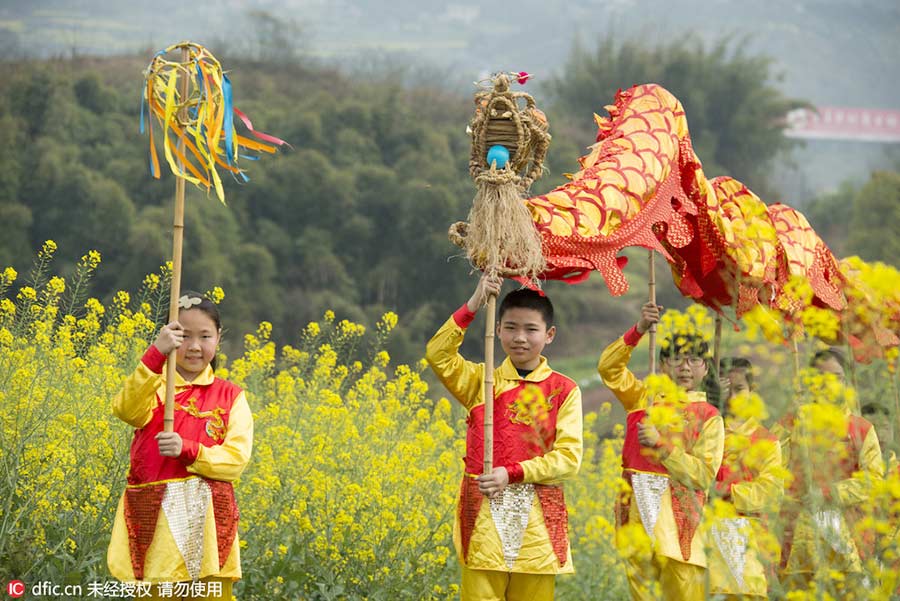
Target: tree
[876,219]
[831,214]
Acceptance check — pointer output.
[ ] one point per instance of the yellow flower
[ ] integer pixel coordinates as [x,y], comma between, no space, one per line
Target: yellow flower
[47,250]
[91,260]
[264,331]
[121,299]
[216,295]
[8,276]
[748,405]
[679,327]
[388,322]
[151,282]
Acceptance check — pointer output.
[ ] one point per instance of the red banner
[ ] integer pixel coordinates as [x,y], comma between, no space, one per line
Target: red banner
[841,123]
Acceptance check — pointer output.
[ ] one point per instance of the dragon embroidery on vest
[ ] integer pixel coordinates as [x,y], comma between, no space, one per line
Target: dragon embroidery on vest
[215,425]
[531,406]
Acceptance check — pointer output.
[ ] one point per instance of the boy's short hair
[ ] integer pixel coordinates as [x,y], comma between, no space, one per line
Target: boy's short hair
[689,344]
[526,298]
[871,407]
[730,363]
[693,344]
[831,352]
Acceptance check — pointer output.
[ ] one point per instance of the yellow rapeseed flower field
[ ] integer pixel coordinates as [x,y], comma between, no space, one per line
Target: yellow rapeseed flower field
[356,464]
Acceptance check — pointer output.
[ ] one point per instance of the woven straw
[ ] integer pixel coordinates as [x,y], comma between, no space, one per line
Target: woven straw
[500,232]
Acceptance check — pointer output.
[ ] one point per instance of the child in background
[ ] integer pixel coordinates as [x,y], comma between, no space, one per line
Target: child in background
[830,488]
[511,526]
[750,481]
[669,472]
[877,412]
[887,541]
[176,523]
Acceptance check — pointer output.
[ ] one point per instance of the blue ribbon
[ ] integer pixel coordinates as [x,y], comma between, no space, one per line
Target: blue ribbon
[143,105]
[229,119]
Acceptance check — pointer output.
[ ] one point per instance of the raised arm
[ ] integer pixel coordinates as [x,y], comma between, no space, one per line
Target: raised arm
[134,404]
[462,378]
[613,364]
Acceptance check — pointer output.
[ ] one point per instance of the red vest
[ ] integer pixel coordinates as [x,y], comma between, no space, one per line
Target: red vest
[687,504]
[839,465]
[515,441]
[201,414]
[638,458]
[743,473]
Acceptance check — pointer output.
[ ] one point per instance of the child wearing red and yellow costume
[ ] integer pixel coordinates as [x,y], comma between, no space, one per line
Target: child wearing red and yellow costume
[177,520]
[512,543]
[750,480]
[668,473]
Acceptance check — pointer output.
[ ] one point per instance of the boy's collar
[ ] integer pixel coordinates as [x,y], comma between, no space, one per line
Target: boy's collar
[538,374]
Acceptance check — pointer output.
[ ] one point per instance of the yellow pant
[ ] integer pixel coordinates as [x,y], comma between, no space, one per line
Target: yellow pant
[219,591]
[490,585]
[664,578]
[852,588]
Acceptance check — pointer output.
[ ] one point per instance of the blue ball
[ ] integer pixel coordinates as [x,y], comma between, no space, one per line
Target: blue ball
[499,154]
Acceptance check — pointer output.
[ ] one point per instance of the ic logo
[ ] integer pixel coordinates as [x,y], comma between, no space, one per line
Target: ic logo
[15,588]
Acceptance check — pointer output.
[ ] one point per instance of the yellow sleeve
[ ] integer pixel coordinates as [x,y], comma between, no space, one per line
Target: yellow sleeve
[613,370]
[564,459]
[765,492]
[462,378]
[698,468]
[857,489]
[227,460]
[784,442]
[135,402]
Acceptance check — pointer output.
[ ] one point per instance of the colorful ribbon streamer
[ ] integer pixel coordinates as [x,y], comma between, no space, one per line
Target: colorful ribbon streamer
[205,126]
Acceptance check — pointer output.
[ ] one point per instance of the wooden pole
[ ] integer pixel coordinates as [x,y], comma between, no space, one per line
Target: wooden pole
[489,328]
[717,344]
[651,285]
[851,359]
[177,237]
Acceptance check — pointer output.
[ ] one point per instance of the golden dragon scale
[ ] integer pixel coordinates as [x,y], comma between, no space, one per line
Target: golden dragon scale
[642,184]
